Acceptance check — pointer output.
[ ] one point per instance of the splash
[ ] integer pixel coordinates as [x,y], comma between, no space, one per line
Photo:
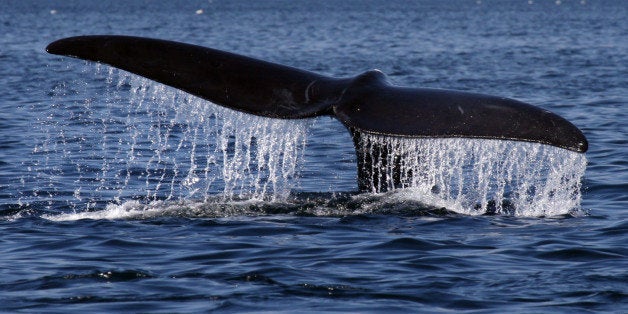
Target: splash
[476,176]
[198,147]
[141,148]
[144,140]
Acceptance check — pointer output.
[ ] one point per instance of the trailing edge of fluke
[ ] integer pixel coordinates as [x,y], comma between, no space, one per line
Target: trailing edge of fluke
[366,103]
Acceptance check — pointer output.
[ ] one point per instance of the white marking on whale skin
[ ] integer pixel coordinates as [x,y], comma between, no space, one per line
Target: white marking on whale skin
[460,109]
[307,91]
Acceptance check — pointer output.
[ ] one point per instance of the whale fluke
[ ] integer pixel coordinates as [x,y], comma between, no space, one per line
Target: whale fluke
[366,103]
[230,80]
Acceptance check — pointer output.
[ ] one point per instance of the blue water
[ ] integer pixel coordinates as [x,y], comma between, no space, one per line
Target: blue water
[116,193]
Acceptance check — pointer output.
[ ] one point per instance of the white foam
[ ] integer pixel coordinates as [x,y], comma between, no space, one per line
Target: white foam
[140,210]
[130,209]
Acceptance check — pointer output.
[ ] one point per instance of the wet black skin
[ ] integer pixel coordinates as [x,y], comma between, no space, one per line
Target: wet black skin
[366,103]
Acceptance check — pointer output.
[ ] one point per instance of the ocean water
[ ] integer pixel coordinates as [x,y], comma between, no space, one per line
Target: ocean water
[118,194]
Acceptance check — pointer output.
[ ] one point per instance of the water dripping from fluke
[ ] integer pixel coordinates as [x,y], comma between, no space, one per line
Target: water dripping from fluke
[477,176]
[145,149]
[144,140]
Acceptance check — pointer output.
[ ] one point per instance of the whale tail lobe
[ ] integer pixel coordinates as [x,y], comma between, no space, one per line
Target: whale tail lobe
[366,103]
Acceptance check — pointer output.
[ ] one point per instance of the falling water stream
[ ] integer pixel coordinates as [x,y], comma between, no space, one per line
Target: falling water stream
[146,147]
[474,176]
[124,195]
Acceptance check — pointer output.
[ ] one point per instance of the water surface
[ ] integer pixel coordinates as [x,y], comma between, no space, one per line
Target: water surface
[100,211]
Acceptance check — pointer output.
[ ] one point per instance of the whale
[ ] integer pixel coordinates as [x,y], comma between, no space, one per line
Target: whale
[366,104]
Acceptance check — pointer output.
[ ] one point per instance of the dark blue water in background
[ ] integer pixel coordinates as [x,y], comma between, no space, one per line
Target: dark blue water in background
[324,248]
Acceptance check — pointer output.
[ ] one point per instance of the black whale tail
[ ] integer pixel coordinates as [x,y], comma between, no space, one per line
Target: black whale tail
[237,82]
[367,103]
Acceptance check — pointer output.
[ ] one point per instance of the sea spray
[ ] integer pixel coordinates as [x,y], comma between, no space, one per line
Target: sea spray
[144,140]
[476,176]
[141,140]
[248,156]
[243,155]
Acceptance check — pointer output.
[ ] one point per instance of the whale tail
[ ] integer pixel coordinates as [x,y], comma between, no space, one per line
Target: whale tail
[230,80]
[366,103]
